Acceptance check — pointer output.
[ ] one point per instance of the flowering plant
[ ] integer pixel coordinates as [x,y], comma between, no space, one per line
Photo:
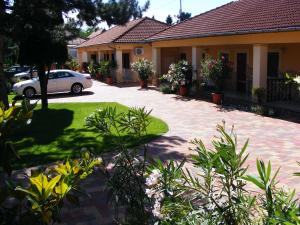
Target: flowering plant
[179,74]
[216,70]
[143,67]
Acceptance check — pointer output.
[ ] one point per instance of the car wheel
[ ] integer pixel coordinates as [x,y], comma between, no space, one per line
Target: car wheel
[76,88]
[29,92]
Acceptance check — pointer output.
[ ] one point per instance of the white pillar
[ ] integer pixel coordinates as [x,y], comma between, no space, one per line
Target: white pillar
[99,56]
[119,60]
[84,57]
[156,60]
[260,66]
[196,62]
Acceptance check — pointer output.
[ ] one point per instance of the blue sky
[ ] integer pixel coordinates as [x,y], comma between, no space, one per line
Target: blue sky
[162,8]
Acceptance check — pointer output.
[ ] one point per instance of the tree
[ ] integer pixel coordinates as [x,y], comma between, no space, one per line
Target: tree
[5,19]
[183,16]
[41,33]
[169,20]
[86,32]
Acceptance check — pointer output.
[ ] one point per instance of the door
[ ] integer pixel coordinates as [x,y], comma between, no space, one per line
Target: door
[51,87]
[126,67]
[273,64]
[241,72]
[64,81]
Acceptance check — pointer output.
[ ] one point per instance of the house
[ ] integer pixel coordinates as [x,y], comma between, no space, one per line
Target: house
[260,37]
[72,47]
[123,44]
[96,33]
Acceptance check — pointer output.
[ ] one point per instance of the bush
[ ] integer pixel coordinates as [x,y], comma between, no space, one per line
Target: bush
[125,182]
[167,89]
[143,67]
[214,192]
[260,94]
[179,74]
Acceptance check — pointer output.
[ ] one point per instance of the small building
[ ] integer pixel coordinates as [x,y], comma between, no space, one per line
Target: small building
[122,44]
[72,47]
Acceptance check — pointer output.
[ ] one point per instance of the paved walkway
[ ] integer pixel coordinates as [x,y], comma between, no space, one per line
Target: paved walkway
[270,139]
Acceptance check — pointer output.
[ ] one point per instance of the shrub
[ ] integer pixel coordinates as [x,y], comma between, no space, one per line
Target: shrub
[167,89]
[143,67]
[179,74]
[125,182]
[40,200]
[73,64]
[104,68]
[260,94]
[216,70]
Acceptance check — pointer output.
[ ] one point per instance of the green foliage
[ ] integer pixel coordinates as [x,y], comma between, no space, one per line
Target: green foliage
[280,205]
[179,74]
[215,70]
[92,68]
[104,68]
[42,199]
[73,64]
[143,67]
[12,120]
[125,181]
[218,196]
[293,78]
[260,94]
[169,20]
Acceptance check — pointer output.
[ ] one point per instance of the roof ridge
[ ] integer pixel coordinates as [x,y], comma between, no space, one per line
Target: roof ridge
[200,14]
[130,29]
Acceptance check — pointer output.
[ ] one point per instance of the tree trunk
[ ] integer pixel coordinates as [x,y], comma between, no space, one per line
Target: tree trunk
[3,87]
[43,84]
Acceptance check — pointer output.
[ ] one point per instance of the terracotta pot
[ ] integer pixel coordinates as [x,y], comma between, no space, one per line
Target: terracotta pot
[183,90]
[217,98]
[109,80]
[98,76]
[144,83]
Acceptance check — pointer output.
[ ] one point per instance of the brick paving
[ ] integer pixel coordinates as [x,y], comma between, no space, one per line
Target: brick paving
[270,138]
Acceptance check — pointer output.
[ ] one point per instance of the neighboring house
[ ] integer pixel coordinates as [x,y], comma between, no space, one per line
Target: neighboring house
[96,33]
[122,44]
[260,37]
[72,47]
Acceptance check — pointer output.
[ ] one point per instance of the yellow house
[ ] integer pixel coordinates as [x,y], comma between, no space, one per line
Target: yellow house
[260,37]
[122,44]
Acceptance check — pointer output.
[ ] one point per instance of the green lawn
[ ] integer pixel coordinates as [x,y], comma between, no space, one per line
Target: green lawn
[60,133]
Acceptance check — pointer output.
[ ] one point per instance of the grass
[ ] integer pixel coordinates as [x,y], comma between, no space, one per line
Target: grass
[60,133]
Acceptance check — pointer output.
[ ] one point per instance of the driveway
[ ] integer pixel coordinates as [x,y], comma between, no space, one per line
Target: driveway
[270,139]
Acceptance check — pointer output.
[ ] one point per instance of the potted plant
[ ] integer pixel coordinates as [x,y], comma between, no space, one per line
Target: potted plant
[144,69]
[215,70]
[259,94]
[91,69]
[179,76]
[73,65]
[104,70]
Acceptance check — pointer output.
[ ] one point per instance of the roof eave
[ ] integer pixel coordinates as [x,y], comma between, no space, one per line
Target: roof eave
[216,34]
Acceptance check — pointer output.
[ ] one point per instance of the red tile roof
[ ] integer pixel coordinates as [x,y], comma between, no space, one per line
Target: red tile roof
[96,33]
[132,32]
[238,17]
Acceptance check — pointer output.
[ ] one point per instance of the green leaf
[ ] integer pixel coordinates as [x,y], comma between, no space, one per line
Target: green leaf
[255,181]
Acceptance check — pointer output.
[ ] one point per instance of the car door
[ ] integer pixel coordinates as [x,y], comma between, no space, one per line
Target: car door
[64,81]
[52,82]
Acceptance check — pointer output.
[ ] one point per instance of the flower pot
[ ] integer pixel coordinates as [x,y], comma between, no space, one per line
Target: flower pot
[183,91]
[144,83]
[217,98]
[109,80]
[98,76]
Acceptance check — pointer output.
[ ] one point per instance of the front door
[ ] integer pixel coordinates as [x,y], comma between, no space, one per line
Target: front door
[273,64]
[241,72]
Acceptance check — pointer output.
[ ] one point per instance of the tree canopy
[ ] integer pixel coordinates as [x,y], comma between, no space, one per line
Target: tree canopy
[169,20]
[41,30]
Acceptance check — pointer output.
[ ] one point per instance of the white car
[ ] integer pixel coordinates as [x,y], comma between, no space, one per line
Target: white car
[59,81]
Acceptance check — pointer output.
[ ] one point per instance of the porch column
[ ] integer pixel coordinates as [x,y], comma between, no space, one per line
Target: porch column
[260,66]
[84,57]
[196,60]
[156,60]
[99,57]
[119,60]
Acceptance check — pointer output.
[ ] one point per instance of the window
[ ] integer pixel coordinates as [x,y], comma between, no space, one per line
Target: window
[60,75]
[51,76]
[113,57]
[94,57]
[273,64]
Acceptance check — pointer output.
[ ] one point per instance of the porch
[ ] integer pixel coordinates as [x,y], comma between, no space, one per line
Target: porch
[253,66]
